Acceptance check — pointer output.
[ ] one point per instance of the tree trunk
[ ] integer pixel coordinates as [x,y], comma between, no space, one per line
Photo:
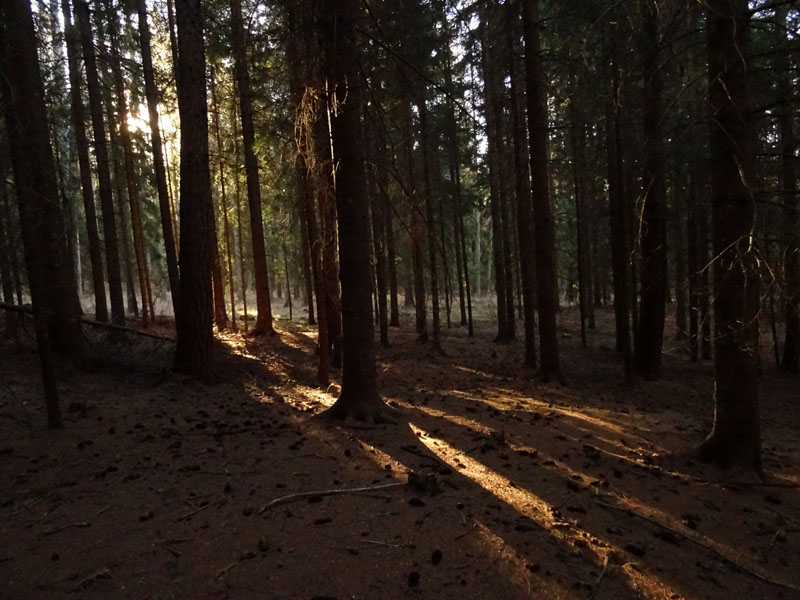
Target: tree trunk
[239,220]
[427,182]
[416,235]
[359,398]
[50,279]
[193,321]
[84,165]
[652,225]
[544,230]
[223,197]
[394,305]
[6,271]
[130,169]
[217,282]
[263,301]
[494,137]
[680,261]
[151,92]
[378,209]
[103,168]
[694,267]
[736,435]
[791,260]
[522,187]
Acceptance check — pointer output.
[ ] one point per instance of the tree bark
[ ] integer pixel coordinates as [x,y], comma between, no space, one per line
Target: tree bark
[522,186]
[544,229]
[427,181]
[736,434]
[223,196]
[263,301]
[84,164]
[359,398]
[791,260]
[193,321]
[103,168]
[130,169]
[151,93]
[50,279]
[652,225]
[493,136]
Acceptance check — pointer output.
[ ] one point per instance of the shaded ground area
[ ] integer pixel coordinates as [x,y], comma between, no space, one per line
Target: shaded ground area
[157,486]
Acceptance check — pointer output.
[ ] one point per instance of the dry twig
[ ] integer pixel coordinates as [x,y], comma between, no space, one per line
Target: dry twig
[334,492]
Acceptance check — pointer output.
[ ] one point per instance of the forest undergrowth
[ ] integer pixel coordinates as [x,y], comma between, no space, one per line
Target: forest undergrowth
[163,486]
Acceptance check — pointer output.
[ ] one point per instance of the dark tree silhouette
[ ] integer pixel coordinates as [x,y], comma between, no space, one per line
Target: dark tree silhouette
[735,436]
[359,398]
[193,321]
[50,275]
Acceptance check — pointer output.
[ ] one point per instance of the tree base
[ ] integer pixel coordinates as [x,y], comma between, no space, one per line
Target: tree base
[259,331]
[713,450]
[371,411]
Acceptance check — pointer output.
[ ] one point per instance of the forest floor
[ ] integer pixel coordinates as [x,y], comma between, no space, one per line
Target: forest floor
[159,486]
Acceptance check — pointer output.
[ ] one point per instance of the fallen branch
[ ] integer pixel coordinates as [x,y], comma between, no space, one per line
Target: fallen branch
[334,492]
[91,322]
[115,327]
[753,571]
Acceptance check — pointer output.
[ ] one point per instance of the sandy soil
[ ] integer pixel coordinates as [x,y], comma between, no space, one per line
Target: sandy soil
[160,486]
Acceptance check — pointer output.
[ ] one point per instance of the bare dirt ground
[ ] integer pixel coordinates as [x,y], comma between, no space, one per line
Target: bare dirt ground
[160,486]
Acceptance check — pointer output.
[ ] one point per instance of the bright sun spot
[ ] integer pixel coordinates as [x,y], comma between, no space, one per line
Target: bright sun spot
[140,120]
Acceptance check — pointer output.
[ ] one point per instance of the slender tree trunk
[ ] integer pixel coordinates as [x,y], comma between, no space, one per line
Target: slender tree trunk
[652,225]
[305,256]
[578,164]
[680,262]
[789,162]
[263,301]
[151,92]
[193,321]
[359,398]
[130,169]
[378,210]
[493,135]
[394,305]
[84,165]
[6,271]
[223,196]
[693,266]
[462,277]
[416,235]
[736,434]
[705,280]
[217,282]
[430,219]
[330,265]
[544,229]
[239,221]
[522,188]
[103,168]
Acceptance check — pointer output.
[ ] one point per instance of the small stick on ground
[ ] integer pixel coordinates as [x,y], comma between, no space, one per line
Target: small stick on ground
[334,492]
[101,573]
[599,579]
[195,511]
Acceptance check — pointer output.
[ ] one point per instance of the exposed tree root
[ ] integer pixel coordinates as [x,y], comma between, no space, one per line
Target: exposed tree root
[376,411]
